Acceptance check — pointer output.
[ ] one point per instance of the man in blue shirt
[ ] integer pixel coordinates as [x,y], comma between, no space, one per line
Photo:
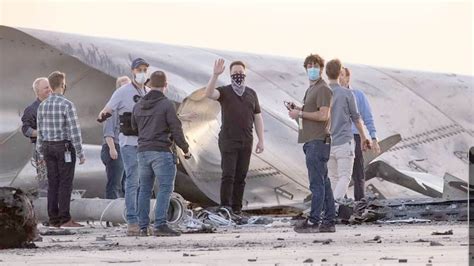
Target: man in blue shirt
[358,175]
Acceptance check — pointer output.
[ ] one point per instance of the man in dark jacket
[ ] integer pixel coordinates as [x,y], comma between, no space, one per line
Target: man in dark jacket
[155,118]
[29,128]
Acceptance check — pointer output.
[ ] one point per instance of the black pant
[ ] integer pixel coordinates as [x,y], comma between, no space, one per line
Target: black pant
[235,160]
[60,177]
[358,174]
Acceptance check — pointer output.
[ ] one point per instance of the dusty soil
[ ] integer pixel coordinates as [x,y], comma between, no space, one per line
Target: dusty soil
[405,244]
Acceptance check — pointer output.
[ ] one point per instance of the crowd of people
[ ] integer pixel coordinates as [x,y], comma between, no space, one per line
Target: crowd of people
[142,130]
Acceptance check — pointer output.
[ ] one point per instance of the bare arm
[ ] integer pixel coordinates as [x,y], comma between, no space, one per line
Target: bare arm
[318,116]
[211,91]
[110,142]
[365,143]
[112,151]
[360,128]
[112,104]
[259,128]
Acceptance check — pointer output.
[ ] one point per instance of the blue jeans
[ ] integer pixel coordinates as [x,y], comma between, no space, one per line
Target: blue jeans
[114,171]
[322,199]
[163,166]
[129,158]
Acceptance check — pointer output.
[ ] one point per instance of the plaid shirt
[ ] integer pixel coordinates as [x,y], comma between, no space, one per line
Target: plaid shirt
[57,120]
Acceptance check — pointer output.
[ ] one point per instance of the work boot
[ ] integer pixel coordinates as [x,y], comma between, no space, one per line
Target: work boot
[327,228]
[72,224]
[164,230]
[133,230]
[306,227]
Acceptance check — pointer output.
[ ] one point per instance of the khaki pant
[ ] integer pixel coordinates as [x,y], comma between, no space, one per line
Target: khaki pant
[341,162]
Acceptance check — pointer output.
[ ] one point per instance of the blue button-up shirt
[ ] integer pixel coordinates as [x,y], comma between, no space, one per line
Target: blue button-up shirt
[365,112]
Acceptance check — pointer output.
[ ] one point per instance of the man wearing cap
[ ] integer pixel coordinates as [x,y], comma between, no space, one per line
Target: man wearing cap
[122,101]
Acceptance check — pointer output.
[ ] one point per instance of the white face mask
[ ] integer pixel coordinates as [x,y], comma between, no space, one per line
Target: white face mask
[140,78]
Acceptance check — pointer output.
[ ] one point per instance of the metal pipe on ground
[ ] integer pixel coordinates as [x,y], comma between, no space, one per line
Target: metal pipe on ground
[109,210]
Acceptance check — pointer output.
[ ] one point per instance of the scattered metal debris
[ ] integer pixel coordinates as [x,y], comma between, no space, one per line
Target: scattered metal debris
[446,233]
[376,239]
[388,258]
[435,243]
[405,221]
[121,261]
[17,219]
[60,241]
[57,232]
[402,210]
[421,241]
[323,241]
[101,238]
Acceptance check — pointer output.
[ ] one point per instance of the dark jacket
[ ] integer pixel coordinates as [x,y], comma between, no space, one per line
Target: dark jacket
[155,118]
[29,120]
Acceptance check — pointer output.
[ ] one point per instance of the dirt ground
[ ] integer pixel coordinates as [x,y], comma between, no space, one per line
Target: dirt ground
[405,244]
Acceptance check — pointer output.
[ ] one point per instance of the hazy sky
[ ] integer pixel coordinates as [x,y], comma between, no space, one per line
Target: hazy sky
[427,35]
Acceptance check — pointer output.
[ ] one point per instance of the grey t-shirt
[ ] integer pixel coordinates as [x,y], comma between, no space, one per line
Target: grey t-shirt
[123,100]
[343,113]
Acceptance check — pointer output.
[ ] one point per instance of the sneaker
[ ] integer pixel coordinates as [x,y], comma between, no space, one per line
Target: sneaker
[239,219]
[144,232]
[165,230]
[133,230]
[306,227]
[327,228]
[71,224]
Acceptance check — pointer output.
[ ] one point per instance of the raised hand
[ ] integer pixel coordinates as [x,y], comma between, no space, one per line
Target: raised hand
[219,66]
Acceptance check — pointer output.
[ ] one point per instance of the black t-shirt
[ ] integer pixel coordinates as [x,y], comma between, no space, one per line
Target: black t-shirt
[237,113]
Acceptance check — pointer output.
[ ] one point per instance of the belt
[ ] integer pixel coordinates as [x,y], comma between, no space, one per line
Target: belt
[56,142]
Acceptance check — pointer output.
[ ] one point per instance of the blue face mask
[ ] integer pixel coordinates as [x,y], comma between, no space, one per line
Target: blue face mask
[313,73]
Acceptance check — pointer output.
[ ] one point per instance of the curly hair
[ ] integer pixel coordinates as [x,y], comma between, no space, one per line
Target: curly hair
[315,59]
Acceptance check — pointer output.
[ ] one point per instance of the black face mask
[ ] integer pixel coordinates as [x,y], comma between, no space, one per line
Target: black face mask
[64,91]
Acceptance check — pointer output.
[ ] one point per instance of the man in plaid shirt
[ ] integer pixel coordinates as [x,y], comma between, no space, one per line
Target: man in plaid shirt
[58,143]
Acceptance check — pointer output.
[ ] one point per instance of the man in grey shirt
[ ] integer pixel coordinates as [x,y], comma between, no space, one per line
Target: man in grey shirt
[122,101]
[343,113]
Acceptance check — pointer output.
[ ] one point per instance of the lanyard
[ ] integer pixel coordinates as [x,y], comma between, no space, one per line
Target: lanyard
[139,90]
